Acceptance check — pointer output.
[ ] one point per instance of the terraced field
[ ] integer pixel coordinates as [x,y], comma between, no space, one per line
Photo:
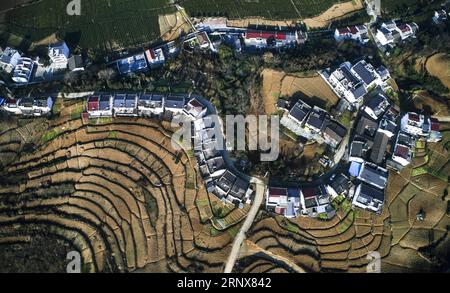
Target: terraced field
[116,191]
[405,243]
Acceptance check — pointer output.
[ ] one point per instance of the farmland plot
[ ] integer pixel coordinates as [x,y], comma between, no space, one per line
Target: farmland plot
[102,25]
[270,9]
[114,190]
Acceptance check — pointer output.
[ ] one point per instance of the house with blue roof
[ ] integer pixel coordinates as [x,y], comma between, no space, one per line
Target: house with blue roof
[133,64]
[125,105]
[151,104]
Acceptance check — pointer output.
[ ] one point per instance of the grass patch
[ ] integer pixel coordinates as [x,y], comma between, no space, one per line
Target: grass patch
[345,119]
[152,207]
[288,225]
[419,171]
[348,221]
[201,203]
[50,135]
[112,134]
[101,120]
[76,111]
[213,231]
[233,231]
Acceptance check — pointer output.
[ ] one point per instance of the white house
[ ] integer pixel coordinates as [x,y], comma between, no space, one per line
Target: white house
[9,59]
[284,201]
[439,16]
[377,106]
[373,175]
[412,123]
[368,198]
[356,33]
[402,155]
[270,39]
[149,104]
[23,70]
[421,125]
[175,104]
[26,106]
[391,33]
[125,105]
[59,55]
[99,106]
[346,84]
[11,106]
[195,108]
[155,57]
[42,106]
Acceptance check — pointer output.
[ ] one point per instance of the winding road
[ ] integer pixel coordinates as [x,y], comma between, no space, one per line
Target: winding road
[241,236]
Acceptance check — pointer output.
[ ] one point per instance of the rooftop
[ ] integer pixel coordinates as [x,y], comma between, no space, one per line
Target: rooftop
[379,147]
[373,175]
[361,69]
[371,192]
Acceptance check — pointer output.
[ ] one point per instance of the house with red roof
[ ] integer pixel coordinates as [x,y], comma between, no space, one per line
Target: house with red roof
[99,106]
[12,106]
[421,126]
[315,202]
[283,201]
[195,108]
[403,149]
[271,39]
[155,57]
[356,32]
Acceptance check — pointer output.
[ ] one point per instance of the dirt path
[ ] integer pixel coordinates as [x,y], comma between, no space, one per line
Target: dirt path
[278,258]
[239,239]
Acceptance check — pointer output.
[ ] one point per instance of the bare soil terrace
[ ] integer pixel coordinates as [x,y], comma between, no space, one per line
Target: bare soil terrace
[115,190]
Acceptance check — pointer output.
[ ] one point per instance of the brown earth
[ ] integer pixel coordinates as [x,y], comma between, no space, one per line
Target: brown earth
[438,65]
[312,89]
[423,100]
[343,243]
[172,26]
[334,12]
[116,190]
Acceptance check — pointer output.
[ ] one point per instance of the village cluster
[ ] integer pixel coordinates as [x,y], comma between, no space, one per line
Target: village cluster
[24,69]
[380,138]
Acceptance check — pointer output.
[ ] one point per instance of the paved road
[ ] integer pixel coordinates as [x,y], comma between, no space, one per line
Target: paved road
[239,239]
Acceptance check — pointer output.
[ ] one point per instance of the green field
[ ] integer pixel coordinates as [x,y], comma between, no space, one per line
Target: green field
[408,7]
[270,9]
[103,24]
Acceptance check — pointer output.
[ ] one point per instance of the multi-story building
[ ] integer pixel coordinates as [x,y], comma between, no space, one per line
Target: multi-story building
[368,198]
[59,55]
[9,59]
[390,33]
[125,105]
[271,39]
[357,33]
[100,106]
[151,104]
[23,70]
